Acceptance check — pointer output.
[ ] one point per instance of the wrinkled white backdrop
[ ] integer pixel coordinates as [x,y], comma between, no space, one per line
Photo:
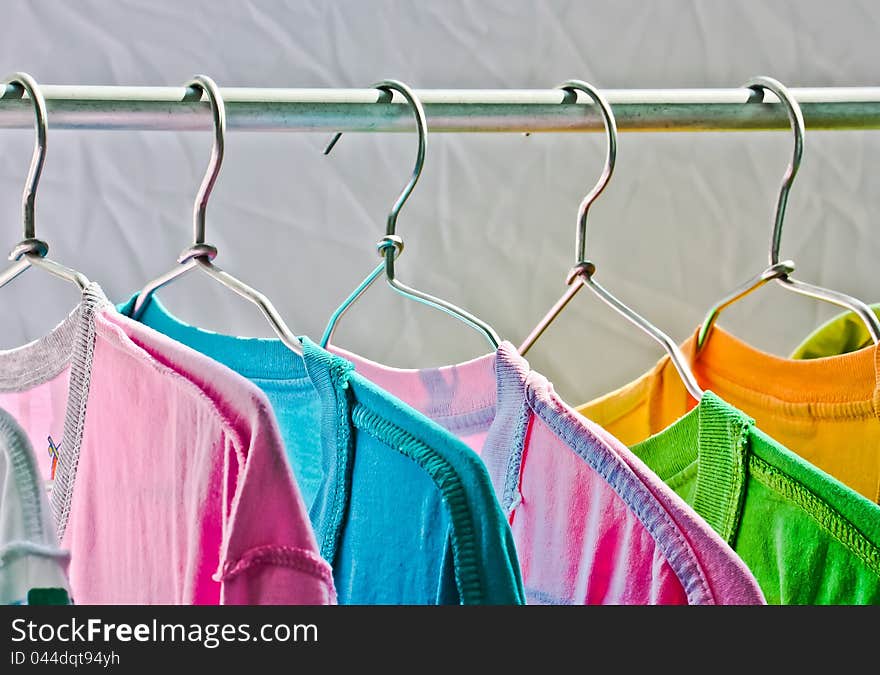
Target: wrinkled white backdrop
[491,224]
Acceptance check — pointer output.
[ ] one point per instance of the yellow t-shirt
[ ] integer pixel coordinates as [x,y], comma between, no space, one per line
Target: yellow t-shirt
[825,409]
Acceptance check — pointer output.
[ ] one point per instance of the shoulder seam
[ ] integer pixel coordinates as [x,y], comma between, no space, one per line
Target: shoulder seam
[446,479]
[190,388]
[556,426]
[828,517]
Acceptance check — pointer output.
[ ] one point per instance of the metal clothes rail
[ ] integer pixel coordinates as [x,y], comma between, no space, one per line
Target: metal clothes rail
[462,110]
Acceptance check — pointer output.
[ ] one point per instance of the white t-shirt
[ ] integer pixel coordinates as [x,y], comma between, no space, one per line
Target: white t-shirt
[30,557]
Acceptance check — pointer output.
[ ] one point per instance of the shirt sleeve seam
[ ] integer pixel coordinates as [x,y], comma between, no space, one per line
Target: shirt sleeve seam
[294,557]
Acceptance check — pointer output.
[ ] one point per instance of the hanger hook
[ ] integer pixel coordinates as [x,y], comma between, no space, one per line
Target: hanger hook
[610,159]
[418,109]
[796,118]
[24,83]
[203,83]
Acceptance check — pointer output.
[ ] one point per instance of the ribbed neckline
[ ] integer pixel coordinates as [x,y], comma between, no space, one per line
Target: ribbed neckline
[41,360]
[366,405]
[255,358]
[713,436]
[845,378]
[330,375]
[488,392]
[70,343]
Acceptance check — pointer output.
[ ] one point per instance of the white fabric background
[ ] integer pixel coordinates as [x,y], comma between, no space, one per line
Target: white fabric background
[491,225]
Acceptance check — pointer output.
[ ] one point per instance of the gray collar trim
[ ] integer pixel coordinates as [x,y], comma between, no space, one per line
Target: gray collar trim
[41,360]
[71,343]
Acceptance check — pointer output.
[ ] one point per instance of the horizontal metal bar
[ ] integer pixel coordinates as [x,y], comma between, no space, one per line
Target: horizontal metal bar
[466,110]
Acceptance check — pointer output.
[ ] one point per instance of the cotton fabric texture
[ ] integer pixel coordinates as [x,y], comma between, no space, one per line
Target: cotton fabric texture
[591,523]
[826,410]
[807,538]
[403,510]
[30,557]
[171,485]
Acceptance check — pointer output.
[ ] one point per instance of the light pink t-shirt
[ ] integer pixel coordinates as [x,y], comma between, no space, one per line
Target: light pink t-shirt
[171,484]
[592,524]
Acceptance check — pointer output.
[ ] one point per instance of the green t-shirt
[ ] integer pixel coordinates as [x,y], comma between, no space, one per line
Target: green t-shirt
[843,334]
[806,537]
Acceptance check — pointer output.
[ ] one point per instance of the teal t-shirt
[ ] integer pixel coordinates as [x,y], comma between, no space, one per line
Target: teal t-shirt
[806,537]
[403,511]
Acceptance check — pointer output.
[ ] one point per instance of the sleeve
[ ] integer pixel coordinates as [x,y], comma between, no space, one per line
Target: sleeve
[269,553]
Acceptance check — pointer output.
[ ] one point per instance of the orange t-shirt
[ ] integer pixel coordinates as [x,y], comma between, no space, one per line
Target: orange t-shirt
[826,409]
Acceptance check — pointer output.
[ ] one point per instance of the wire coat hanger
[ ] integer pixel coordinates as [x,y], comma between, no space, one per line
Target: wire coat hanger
[781,271]
[391,245]
[582,273]
[200,255]
[30,251]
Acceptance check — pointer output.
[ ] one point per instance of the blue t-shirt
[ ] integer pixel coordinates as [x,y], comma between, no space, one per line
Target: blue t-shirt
[403,510]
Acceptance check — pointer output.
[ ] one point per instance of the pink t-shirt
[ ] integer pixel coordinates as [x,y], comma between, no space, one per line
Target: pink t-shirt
[168,479]
[592,524]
